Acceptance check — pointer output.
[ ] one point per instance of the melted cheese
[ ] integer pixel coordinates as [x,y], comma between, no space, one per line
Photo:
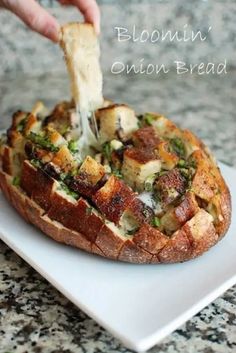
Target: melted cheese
[147,198]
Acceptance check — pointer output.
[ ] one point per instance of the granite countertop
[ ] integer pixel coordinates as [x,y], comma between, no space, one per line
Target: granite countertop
[35,317]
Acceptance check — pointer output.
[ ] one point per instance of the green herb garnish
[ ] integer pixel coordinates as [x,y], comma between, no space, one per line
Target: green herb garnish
[36,163]
[73,146]
[16,181]
[140,124]
[42,141]
[182,163]
[68,191]
[117,173]
[178,147]
[89,211]
[148,118]
[107,150]
[156,222]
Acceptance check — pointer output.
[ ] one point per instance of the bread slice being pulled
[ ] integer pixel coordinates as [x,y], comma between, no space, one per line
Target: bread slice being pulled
[147,192]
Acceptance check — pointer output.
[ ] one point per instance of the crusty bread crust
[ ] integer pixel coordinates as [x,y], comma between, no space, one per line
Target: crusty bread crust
[148,245]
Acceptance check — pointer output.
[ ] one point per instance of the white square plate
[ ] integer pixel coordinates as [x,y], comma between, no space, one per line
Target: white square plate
[139,304]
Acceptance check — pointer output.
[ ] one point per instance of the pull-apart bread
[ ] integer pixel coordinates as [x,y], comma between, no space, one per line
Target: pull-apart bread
[146,192]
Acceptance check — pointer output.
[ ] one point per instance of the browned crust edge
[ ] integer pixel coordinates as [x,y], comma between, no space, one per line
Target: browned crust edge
[180,247]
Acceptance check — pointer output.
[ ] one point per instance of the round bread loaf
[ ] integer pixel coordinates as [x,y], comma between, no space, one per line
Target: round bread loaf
[151,193]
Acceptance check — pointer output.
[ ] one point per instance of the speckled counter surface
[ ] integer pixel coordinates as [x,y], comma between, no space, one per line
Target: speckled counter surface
[37,318]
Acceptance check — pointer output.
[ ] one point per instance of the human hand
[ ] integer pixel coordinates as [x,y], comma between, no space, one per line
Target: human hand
[39,20]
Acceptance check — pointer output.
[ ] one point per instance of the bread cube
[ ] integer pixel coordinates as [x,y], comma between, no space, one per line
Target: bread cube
[91,170]
[56,138]
[18,199]
[7,160]
[168,159]
[163,126]
[131,252]
[73,238]
[201,232]
[44,186]
[110,239]
[32,125]
[116,121]
[135,214]
[170,186]
[191,142]
[138,165]
[150,239]
[39,110]
[77,215]
[37,184]
[28,177]
[177,249]
[17,120]
[33,211]
[219,207]
[175,217]
[204,183]
[113,198]
[64,159]
[86,182]
[146,137]
[5,179]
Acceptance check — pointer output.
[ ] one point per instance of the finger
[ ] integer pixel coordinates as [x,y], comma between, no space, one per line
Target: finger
[91,12]
[36,17]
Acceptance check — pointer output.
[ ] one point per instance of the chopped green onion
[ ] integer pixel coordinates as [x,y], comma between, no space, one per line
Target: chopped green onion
[36,163]
[182,163]
[149,118]
[42,141]
[106,149]
[68,191]
[140,124]
[16,181]
[156,222]
[177,146]
[73,146]
[117,173]
[89,210]
[148,184]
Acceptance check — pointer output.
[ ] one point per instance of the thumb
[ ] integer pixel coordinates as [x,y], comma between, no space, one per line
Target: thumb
[36,17]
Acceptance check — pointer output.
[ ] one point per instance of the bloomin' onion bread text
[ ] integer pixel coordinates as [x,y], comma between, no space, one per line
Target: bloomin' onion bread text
[147,192]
